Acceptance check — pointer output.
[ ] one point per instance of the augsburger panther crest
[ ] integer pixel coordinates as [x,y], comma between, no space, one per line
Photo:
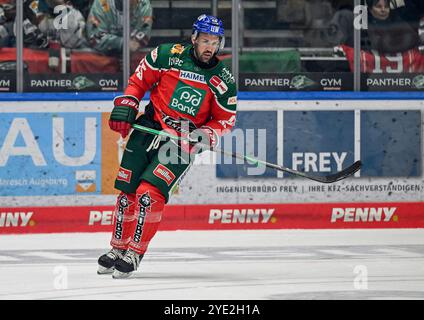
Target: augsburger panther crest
[123,202]
[300,82]
[418,81]
[145,200]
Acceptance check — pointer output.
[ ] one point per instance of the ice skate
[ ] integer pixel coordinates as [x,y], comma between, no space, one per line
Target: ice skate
[125,266]
[107,261]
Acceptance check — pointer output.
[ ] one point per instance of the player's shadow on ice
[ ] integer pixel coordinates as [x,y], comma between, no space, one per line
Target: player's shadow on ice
[207,276]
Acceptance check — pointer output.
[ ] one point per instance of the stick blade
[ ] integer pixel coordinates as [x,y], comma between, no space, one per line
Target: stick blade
[341,174]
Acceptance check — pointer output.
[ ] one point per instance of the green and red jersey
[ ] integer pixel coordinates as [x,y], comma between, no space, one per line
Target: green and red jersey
[181,89]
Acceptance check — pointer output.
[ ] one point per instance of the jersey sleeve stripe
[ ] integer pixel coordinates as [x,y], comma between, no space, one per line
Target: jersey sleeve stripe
[150,66]
[224,108]
[215,133]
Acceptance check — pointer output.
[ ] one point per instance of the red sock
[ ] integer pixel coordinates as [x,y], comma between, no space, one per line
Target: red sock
[123,219]
[148,214]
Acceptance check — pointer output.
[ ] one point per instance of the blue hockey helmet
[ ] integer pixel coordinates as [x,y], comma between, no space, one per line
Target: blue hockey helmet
[210,25]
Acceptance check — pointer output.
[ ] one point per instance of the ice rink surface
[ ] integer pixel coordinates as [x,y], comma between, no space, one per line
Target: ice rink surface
[221,265]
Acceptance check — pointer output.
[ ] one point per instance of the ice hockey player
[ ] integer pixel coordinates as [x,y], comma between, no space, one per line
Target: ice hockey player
[193,95]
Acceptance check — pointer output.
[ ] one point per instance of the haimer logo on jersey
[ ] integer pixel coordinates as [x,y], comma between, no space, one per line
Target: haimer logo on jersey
[192,76]
[187,99]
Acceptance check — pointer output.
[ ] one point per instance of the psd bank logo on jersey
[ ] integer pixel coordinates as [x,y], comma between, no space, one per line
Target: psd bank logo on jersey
[187,99]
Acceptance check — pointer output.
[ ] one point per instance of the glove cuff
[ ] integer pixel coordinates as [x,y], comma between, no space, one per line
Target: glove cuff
[126,109]
[126,101]
[213,136]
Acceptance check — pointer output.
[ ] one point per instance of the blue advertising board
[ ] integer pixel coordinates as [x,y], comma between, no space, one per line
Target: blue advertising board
[49,154]
[319,142]
[323,142]
[391,143]
[255,134]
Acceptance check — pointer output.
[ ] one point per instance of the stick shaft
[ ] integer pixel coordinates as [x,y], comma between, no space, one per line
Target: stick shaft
[323,179]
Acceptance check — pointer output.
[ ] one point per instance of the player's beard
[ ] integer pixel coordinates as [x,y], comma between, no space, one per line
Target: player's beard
[205,56]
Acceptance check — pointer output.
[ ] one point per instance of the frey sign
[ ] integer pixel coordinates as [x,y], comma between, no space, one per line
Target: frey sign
[318,142]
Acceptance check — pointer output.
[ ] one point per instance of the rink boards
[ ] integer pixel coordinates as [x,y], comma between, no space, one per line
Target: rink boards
[221,217]
[58,161]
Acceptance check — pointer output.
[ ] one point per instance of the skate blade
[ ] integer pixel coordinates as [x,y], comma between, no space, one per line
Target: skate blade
[121,275]
[103,270]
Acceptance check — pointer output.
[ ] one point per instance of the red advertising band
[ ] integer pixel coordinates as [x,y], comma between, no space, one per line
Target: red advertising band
[221,217]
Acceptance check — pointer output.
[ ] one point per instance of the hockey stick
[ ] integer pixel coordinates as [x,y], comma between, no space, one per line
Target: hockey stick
[323,179]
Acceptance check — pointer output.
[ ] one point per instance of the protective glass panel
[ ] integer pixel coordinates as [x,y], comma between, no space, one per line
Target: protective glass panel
[173,22]
[141,39]
[391,57]
[174,19]
[295,45]
[72,45]
[7,47]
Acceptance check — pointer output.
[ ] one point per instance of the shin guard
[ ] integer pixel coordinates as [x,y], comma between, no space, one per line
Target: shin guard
[123,219]
[148,214]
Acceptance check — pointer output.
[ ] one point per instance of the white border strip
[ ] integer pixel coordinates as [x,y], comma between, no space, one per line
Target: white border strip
[280,140]
[243,105]
[357,138]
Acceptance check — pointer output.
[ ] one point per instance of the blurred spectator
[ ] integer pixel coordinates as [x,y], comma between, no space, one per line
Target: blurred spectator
[409,10]
[32,36]
[7,18]
[60,21]
[317,13]
[105,29]
[291,11]
[342,4]
[340,28]
[387,31]
[47,6]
